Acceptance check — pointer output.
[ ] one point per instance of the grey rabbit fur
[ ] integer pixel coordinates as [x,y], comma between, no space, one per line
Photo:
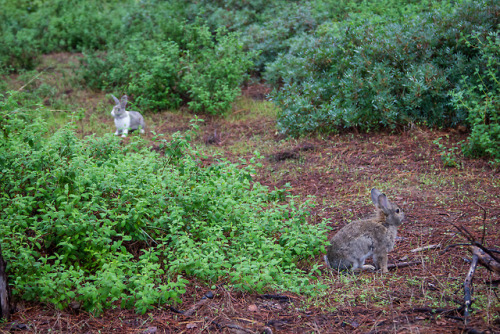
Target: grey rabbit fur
[373,236]
[126,120]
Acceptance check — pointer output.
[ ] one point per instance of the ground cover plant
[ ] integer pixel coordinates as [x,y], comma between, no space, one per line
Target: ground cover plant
[97,223]
[479,97]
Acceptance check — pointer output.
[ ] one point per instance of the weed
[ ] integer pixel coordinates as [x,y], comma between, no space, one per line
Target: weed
[448,155]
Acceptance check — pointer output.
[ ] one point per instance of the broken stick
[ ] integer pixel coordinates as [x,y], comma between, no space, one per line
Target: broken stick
[485,259]
[4,289]
[403,264]
[419,249]
[468,286]
[196,306]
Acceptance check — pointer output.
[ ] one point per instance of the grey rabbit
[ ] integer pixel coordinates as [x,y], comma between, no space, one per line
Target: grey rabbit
[373,236]
[126,120]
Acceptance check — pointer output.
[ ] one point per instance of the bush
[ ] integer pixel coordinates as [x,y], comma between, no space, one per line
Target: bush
[478,97]
[271,26]
[198,70]
[378,75]
[20,47]
[102,224]
[266,28]
[214,71]
[30,28]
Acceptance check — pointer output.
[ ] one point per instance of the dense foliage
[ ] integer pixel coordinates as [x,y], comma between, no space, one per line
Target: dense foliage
[29,28]
[98,223]
[198,70]
[479,98]
[374,75]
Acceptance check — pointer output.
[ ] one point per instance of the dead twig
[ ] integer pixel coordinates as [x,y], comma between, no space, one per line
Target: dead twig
[468,287]
[481,255]
[4,289]
[239,329]
[196,306]
[281,298]
[473,242]
[403,264]
[419,249]
[454,245]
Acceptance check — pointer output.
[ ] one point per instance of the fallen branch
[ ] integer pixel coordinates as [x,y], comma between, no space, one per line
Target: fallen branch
[403,264]
[454,245]
[485,259]
[281,298]
[4,289]
[480,255]
[196,306]
[468,286]
[419,249]
[239,329]
[473,242]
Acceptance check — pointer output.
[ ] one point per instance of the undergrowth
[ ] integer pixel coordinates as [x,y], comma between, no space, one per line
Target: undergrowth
[103,224]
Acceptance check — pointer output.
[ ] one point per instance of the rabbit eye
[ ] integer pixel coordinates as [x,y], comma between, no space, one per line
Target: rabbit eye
[397,210]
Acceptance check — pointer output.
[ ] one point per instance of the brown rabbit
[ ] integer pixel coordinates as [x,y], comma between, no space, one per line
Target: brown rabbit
[373,236]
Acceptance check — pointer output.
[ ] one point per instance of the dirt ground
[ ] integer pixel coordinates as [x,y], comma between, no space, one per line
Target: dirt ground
[338,170]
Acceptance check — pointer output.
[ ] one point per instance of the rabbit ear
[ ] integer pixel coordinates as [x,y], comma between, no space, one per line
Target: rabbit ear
[383,203]
[116,100]
[375,194]
[123,101]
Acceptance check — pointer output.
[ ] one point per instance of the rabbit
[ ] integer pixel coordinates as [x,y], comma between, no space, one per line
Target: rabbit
[373,236]
[126,120]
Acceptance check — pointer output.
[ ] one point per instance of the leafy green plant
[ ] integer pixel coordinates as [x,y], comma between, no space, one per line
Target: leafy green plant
[370,74]
[30,28]
[98,223]
[198,70]
[478,94]
[448,155]
[213,88]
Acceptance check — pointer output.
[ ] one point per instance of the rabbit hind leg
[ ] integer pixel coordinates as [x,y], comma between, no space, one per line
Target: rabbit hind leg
[380,261]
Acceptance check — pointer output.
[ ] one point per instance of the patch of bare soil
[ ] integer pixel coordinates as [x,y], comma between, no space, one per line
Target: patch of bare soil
[339,170]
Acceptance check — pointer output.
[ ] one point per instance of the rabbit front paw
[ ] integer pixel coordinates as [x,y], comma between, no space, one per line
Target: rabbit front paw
[368,267]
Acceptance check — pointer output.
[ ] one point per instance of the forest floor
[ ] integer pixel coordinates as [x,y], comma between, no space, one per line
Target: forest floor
[338,170]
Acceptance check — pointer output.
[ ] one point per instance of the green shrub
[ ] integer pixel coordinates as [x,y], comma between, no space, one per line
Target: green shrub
[478,95]
[198,70]
[20,47]
[28,29]
[379,75]
[149,70]
[215,70]
[270,27]
[266,29]
[102,224]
